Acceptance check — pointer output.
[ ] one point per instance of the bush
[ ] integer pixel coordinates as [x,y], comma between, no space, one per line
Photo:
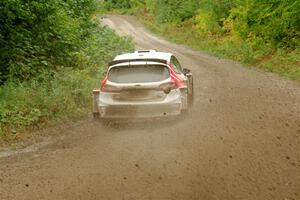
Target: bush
[211,15]
[52,54]
[174,10]
[276,22]
[29,103]
[62,94]
[261,33]
[39,35]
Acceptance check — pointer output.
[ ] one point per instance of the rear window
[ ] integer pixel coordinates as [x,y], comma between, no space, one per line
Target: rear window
[138,74]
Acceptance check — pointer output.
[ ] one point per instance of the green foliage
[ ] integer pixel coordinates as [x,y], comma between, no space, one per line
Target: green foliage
[163,10]
[276,22]
[40,35]
[122,6]
[257,22]
[51,57]
[117,4]
[173,10]
[260,32]
[280,61]
[62,94]
[30,103]
[211,14]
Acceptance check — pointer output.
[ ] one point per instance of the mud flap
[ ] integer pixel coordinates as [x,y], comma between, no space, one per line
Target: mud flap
[190,90]
[96,94]
[184,98]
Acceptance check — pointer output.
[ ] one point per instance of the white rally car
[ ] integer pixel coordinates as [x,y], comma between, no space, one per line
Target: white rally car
[143,84]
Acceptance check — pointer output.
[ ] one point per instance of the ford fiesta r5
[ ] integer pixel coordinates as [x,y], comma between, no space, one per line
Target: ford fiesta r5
[143,84]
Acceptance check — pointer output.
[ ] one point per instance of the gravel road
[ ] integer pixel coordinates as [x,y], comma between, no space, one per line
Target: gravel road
[240,141]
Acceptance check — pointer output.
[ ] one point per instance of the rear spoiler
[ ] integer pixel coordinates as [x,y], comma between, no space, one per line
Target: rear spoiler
[138,60]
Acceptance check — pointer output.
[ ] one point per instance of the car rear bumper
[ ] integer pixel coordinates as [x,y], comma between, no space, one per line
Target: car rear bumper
[139,111]
[171,106]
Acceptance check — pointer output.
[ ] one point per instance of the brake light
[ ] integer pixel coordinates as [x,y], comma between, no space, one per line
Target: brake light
[108,88]
[103,84]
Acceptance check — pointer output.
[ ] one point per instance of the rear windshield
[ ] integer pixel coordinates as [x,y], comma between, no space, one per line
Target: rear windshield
[138,74]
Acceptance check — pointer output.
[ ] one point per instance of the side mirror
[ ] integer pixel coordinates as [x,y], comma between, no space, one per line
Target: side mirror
[186,71]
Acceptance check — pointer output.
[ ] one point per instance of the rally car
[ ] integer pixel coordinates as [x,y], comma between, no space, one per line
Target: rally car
[143,84]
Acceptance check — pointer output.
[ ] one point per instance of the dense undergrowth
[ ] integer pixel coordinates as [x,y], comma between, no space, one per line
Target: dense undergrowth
[265,34]
[52,54]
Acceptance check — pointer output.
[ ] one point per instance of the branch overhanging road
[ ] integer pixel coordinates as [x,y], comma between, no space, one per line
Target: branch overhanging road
[240,141]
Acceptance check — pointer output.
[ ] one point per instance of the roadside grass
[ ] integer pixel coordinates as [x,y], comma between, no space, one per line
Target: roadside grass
[32,104]
[65,94]
[280,61]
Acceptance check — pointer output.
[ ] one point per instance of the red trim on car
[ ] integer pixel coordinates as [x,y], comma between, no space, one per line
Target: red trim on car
[103,83]
[175,77]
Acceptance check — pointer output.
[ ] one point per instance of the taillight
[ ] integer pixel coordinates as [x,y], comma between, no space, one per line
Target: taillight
[103,84]
[167,87]
[108,88]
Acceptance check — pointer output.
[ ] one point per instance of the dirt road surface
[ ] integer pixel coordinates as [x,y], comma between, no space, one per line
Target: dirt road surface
[240,141]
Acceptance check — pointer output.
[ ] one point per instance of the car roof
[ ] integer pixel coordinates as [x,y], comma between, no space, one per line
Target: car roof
[144,54]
